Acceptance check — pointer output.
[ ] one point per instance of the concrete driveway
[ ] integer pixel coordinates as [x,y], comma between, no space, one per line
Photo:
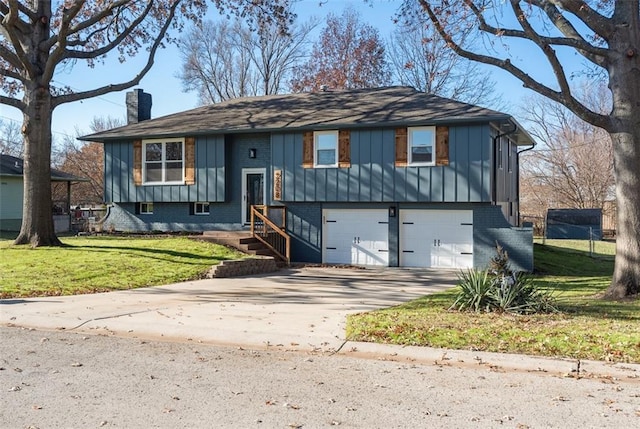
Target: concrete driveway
[300,309]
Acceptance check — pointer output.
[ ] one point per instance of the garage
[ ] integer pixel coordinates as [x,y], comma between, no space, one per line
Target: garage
[357,236]
[436,238]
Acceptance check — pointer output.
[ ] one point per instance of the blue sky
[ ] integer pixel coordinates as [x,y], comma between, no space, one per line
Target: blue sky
[166,88]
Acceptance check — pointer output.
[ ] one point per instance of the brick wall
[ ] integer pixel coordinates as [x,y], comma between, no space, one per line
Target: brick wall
[165,217]
[304,225]
[489,227]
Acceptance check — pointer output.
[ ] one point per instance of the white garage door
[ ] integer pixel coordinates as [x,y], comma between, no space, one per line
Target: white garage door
[359,237]
[436,238]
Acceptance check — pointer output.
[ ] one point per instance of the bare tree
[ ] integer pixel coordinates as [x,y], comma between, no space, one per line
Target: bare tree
[421,59]
[227,60]
[573,167]
[606,35]
[349,54]
[215,63]
[87,160]
[39,37]
[10,138]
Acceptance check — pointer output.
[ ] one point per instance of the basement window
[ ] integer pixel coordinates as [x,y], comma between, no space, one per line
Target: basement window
[201,208]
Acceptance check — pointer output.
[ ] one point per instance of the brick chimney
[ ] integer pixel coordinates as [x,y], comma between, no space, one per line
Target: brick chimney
[138,106]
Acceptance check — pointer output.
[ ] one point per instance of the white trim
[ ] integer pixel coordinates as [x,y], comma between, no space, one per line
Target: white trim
[317,134]
[245,172]
[410,132]
[163,161]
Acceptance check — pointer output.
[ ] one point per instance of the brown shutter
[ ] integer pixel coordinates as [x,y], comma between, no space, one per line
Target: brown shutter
[344,148]
[442,145]
[190,160]
[401,147]
[307,149]
[137,162]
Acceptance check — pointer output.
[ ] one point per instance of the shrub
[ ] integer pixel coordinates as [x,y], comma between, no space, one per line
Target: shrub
[518,294]
[475,291]
[499,264]
[500,289]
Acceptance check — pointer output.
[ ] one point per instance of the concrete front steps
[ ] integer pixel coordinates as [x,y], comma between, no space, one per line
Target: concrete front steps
[241,240]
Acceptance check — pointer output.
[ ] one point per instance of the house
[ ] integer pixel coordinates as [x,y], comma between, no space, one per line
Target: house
[387,176]
[12,192]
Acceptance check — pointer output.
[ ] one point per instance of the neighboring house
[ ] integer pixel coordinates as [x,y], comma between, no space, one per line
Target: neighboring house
[12,192]
[387,176]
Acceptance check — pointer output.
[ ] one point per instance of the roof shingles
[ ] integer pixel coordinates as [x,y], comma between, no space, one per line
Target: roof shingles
[12,166]
[377,107]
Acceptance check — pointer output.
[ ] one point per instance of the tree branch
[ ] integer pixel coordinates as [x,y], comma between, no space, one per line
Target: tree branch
[599,24]
[13,102]
[10,24]
[563,96]
[572,38]
[95,18]
[10,57]
[67,98]
[594,54]
[532,35]
[11,74]
[114,43]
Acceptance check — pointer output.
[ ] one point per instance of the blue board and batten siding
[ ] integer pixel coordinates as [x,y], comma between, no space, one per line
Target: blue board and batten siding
[210,174]
[373,176]
[372,181]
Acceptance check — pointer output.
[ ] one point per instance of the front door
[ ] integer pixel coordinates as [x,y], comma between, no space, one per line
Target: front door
[253,191]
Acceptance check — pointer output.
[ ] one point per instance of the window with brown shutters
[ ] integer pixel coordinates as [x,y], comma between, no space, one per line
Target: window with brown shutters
[163,161]
[401,147]
[442,145]
[326,149]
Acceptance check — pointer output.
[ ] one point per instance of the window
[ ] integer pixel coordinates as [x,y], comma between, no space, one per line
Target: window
[325,148]
[422,142]
[146,208]
[163,161]
[201,208]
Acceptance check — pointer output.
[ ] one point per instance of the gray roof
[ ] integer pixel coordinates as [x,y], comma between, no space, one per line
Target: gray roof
[12,166]
[378,107]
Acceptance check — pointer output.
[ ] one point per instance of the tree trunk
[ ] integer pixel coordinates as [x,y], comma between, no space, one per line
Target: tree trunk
[626,274]
[624,82]
[37,215]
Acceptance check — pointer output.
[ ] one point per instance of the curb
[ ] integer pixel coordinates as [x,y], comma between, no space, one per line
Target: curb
[495,361]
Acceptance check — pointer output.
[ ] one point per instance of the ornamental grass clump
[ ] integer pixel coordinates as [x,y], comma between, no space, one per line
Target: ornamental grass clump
[500,289]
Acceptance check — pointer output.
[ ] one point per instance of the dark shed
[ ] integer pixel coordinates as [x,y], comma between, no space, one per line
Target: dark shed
[576,224]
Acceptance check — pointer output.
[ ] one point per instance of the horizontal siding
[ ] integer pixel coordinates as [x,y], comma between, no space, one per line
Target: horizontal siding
[210,175]
[373,176]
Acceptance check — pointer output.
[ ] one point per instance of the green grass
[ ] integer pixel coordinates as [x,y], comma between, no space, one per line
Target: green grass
[100,264]
[587,327]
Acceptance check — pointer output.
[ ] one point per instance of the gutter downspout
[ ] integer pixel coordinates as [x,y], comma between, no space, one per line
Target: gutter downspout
[533,145]
[494,185]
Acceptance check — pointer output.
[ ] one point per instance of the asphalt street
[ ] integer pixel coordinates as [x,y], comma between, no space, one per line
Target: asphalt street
[74,380]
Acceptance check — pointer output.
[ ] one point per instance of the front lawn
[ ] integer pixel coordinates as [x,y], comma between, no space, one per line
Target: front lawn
[100,264]
[586,328]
